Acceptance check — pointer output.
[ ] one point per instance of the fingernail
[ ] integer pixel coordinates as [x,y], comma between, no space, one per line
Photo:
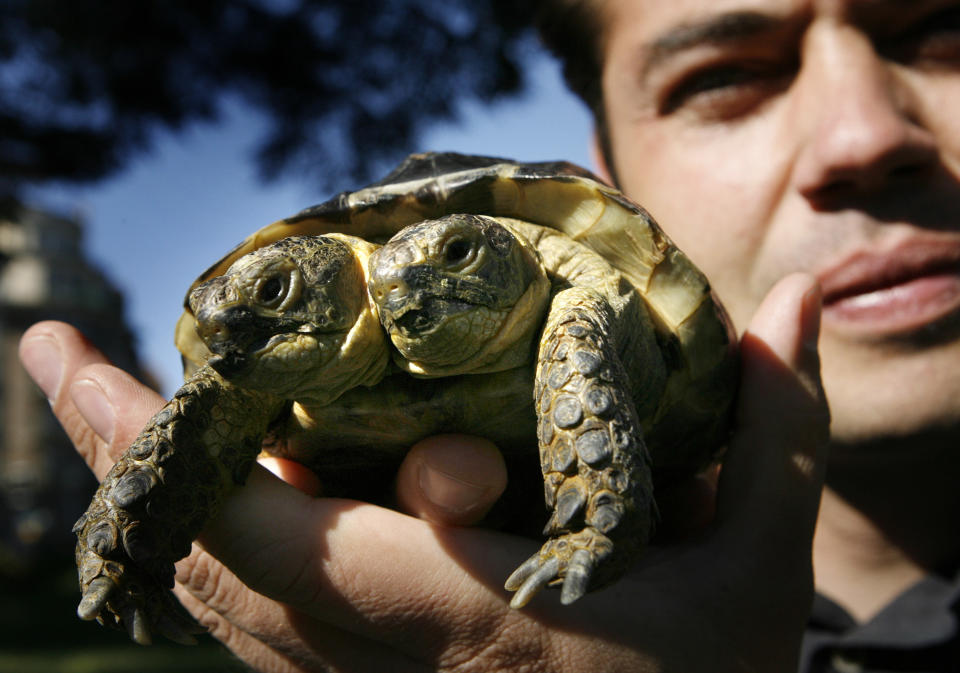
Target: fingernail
[449,491]
[92,403]
[42,359]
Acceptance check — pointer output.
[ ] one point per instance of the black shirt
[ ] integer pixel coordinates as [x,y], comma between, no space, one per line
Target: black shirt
[918,632]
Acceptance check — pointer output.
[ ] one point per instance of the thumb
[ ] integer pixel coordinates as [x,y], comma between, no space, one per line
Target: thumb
[451,479]
[773,473]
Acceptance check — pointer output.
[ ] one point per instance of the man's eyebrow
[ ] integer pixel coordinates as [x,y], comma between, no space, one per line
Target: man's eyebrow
[715,30]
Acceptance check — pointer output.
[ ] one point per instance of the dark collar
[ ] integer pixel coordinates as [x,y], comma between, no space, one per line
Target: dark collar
[924,618]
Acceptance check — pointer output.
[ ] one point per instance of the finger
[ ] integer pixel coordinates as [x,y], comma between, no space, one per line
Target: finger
[296,474]
[773,473]
[99,406]
[385,576]
[52,352]
[451,479]
[270,636]
[255,653]
[115,406]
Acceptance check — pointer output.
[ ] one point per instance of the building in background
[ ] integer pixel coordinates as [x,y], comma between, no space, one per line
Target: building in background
[44,485]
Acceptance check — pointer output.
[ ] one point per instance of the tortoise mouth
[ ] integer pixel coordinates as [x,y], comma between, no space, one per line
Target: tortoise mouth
[234,362]
[239,337]
[231,360]
[230,364]
[414,319]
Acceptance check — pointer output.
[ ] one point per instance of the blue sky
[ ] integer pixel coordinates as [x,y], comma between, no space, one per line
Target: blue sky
[154,227]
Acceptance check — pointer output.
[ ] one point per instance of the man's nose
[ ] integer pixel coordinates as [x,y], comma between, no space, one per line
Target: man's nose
[861,130]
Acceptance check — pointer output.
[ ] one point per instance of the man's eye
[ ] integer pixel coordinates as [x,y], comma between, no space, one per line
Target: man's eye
[723,92]
[935,41]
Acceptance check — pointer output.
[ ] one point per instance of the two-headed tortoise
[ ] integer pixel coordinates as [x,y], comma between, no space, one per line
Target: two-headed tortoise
[526,303]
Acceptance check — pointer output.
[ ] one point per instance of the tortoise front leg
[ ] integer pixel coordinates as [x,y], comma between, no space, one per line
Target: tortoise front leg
[595,465]
[157,498]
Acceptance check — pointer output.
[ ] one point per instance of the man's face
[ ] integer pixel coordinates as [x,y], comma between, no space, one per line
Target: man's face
[770,136]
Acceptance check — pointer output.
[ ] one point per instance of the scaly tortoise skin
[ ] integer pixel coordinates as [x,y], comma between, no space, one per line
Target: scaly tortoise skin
[527,303]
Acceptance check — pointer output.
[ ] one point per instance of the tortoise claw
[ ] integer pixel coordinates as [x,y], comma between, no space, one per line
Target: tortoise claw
[517,577]
[95,598]
[143,609]
[578,575]
[137,627]
[536,581]
[571,559]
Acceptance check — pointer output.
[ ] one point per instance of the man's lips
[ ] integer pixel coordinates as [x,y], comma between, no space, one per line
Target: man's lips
[897,290]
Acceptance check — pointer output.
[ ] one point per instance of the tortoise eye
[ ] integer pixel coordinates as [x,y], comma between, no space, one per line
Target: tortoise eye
[457,250]
[271,291]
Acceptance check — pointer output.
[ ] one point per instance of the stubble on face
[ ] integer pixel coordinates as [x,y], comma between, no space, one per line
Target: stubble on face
[770,137]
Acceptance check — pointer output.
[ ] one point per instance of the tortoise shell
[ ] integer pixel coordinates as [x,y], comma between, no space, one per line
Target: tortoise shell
[693,329]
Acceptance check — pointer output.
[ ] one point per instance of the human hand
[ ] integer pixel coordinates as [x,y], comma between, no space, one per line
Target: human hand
[340,585]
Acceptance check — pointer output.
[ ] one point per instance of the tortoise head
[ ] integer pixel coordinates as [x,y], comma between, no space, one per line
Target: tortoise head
[456,293]
[280,315]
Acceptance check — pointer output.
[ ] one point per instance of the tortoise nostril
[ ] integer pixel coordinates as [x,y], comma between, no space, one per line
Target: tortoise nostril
[394,288]
[387,288]
[213,333]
